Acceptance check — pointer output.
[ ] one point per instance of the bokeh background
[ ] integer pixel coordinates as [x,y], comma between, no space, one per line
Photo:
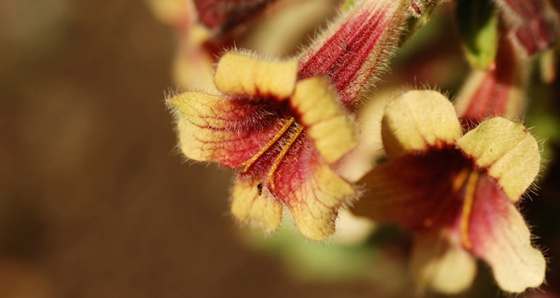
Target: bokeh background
[95,200]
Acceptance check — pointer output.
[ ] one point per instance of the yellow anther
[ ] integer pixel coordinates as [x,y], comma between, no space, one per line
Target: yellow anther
[276,137]
[467,209]
[280,156]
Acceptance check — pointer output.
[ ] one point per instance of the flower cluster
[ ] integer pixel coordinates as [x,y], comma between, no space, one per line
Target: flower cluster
[291,126]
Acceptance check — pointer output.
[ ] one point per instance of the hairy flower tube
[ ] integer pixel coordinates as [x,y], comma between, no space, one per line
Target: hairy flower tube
[499,90]
[286,124]
[457,193]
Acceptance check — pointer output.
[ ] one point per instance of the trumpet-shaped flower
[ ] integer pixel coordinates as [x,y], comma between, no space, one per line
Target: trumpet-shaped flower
[284,126]
[284,134]
[456,192]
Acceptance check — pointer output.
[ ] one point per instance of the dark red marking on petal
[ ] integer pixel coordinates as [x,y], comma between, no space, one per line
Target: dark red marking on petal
[423,191]
[241,128]
[490,206]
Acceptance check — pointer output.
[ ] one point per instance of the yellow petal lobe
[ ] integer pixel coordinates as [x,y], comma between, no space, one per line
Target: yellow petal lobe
[324,118]
[252,204]
[417,120]
[507,150]
[243,74]
[503,240]
[192,108]
[315,205]
[439,266]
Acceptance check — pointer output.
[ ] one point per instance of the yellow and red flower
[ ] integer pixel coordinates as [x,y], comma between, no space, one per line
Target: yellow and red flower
[286,124]
[457,193]
[284,134]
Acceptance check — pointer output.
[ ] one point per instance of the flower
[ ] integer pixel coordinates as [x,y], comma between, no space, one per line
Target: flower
[533,24]
[204,28]
[499,90]
[224,15]
[283,124]
[284,133]
[456,192]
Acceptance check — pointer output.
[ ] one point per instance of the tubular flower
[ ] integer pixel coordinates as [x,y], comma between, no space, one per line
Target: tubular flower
[283,125]
[456,192]
[357,47]
[284,134]
[498,90]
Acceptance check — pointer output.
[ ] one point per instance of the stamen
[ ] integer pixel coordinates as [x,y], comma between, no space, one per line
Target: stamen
[458,184]
[467,209]
[280,156]
[277,136]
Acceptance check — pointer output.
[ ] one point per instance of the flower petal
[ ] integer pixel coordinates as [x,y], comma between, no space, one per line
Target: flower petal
[243,74]
[437,265]
[416,191]
[251,204]
[326,122]
[369,149]
[225,15]
[169,11]
[312,192]
[193,68]
[353,230]
[500,236]
[230,132]
[417,120]
[507,150]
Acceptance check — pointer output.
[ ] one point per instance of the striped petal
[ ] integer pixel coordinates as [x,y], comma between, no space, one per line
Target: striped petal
[312,192]
[356,49]
[230,132]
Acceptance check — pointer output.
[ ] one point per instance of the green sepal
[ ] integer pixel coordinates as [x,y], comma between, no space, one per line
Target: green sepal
[347,5]
[478,28]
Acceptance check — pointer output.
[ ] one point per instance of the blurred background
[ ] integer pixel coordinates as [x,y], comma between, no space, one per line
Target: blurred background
[95,201]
